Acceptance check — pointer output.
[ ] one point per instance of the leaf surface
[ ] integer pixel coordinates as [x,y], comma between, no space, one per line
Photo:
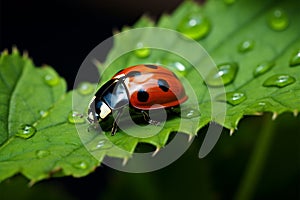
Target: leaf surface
[56,149]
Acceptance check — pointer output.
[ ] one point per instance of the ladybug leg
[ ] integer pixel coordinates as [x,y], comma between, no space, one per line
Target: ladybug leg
[116,121]
[147,119]
[146,116]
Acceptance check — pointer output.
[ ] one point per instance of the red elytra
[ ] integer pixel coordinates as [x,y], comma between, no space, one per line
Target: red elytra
[152,87]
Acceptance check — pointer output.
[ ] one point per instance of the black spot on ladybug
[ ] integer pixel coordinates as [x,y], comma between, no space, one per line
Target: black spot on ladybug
[163,84]
[142,95]
[133,73]
[151,66]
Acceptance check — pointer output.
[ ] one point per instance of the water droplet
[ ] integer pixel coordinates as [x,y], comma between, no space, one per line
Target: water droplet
[194,26]
[278,19]
[75,117]
[295,59]
[186,112]
[85,88]
[262,105]
[42,153]
[102,145]
[26,131]
[279,80]
[142,51]
[178,67]
[246,45]
[81,165]
[189,113]
[233,98]
[259,107]
[52,79]
[223,75]
[229,2]
[43,113]
[263,68]
[176,64]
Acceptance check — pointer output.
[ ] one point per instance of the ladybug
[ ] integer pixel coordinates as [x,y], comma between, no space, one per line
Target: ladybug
[142,87]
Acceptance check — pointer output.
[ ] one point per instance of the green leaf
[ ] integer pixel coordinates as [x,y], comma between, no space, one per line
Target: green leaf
[36,97]
[239,34]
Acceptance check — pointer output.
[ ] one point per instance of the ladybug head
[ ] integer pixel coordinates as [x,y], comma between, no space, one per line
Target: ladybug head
[111,96]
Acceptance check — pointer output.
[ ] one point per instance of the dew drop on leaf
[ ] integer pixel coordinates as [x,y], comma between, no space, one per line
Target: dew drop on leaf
[259,107]
[246,45]
[43,113]
[279,80]
[223,75]
[26,131]
[142,51]
[52,79]
[295,58]
[99,145]
[233,98]
[42,153]
[278,20]
[194,26]
[85,88]
[80,165]
[186,112]
[190,113]
[75,117]
[262,68]
[102,145]
[177,67]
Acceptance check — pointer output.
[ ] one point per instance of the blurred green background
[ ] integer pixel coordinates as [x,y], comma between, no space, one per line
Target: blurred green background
[61,34]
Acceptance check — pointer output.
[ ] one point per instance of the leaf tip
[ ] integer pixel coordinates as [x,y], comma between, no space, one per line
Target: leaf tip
[25,54]
[156,151]
[31,183]
[231,131]
[4,52]
[274,116]
[295,112]
[15,50]
[125,160]
[190,138]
